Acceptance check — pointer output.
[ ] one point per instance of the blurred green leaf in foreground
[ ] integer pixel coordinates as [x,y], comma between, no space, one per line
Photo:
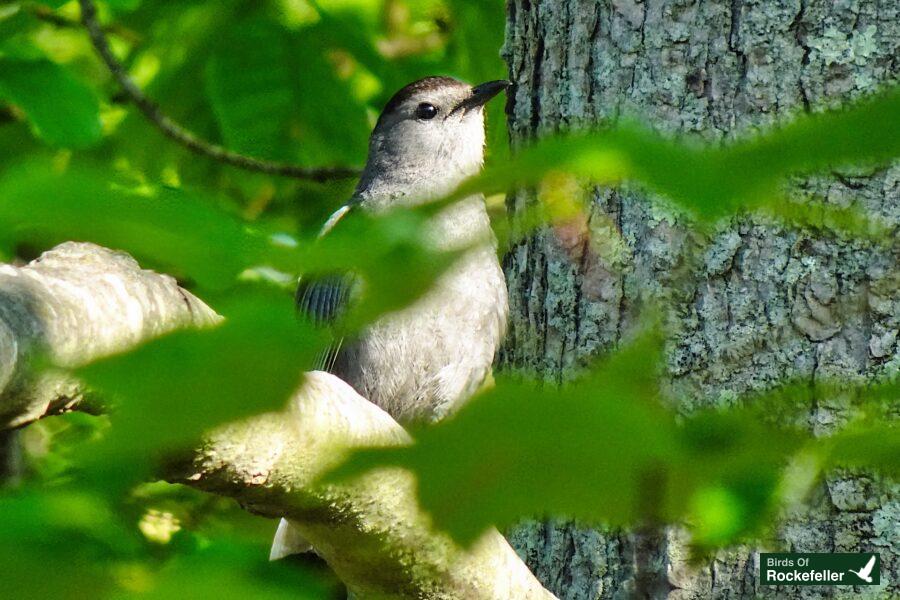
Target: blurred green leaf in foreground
[62,110]
[707,181]
[70,544]
[171,390]
[606,450]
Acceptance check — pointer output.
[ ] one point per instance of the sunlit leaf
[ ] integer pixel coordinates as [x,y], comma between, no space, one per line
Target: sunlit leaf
[392,255]
[69,544]
[593,451]
[52,3]
[711,182]
[172,389]
[725,485]
[230,571]
[604,451]
[177,230]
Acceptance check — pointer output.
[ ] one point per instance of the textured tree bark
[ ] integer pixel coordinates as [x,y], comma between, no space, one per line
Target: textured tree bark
[754,304]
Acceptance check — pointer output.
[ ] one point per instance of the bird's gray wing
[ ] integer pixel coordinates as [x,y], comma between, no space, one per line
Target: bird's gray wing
[323,299]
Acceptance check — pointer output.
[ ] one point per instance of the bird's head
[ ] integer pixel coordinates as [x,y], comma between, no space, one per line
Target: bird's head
[429,137]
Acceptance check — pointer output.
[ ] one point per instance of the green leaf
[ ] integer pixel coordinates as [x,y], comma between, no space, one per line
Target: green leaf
[183,233]
[248,83]
[170,390]
[603,450]
[67,543]
[180,231]
[13,20]
[711,182]
[61,109]
[391,254]
[849,222]
[123,6]
[231,571]
[54,4]
[62,440]
[73,532]
[875,447]
[253,84]
[592,451]
[726,482]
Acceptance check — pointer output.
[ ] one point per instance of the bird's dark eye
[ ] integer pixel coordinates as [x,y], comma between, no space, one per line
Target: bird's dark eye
[426,111]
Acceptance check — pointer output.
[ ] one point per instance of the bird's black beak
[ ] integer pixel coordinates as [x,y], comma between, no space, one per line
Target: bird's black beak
[482,94]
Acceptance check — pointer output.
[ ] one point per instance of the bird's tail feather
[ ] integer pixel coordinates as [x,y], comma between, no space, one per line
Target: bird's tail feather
[288,541]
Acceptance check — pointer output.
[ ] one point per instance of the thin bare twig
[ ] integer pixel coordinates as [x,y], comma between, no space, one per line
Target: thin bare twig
[181,135]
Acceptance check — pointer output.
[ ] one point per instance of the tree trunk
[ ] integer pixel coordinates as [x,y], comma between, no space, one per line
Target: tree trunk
[755,304]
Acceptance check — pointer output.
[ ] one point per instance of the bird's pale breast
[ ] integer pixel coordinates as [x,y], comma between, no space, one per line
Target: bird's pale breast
[424,361]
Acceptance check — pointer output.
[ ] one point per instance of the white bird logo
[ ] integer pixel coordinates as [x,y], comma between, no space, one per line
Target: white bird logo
[864,573]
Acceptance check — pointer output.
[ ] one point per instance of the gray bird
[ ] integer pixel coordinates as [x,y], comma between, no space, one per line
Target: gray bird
[422,362]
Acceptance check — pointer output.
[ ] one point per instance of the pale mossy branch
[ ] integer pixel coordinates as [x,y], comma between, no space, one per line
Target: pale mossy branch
[79,302]
[74,304]
[370,531]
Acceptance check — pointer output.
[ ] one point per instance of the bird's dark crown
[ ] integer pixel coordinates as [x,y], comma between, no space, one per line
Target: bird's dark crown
[435,82]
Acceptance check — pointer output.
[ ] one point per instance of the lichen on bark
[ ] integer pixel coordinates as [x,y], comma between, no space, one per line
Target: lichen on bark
[755,303]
